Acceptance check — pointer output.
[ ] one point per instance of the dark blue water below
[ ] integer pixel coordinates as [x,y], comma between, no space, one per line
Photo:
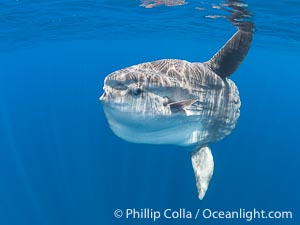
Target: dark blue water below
[61,164]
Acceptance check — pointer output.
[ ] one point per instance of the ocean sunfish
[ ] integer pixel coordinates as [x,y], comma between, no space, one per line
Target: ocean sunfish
[177,102]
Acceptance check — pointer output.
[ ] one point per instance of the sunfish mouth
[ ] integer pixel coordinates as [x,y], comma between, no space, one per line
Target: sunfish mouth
[103,96]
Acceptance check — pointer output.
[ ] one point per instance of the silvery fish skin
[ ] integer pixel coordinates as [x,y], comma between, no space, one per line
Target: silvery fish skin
[170,102]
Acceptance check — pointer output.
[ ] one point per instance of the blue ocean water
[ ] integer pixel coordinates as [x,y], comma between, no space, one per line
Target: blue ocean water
[60,162]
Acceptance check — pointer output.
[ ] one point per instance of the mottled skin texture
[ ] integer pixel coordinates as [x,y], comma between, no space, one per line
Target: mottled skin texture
[211,103]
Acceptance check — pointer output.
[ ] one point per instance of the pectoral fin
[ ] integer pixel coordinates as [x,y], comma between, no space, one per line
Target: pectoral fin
[181,105]
[203,165]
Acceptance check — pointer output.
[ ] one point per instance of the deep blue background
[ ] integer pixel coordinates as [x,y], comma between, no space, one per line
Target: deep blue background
[61,164]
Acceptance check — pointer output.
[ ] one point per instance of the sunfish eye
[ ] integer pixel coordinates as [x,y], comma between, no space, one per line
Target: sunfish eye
[136,91]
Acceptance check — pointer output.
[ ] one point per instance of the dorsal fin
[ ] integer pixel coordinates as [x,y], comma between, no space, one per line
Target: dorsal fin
[230,56]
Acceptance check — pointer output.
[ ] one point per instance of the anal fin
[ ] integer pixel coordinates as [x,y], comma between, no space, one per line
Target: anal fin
[203,165]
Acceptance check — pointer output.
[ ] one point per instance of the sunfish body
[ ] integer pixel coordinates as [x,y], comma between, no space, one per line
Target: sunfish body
[177,102]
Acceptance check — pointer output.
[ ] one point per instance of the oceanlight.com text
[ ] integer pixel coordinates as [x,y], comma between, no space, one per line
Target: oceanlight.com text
[248,215]
[202,214]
